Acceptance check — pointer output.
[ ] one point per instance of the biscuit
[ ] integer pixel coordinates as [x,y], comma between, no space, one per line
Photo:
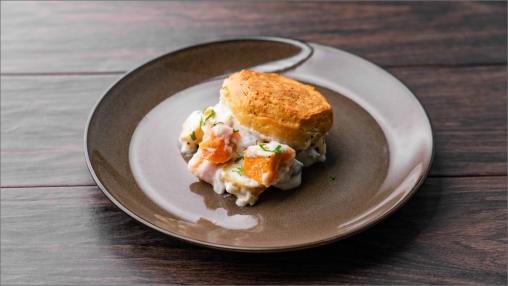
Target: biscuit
[276,106]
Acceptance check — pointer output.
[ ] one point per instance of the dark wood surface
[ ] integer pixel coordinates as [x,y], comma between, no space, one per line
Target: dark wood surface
[58,58]
[115,36]
[443,235]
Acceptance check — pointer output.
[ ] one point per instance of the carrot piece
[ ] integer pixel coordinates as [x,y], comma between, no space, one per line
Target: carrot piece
[262,169]
[215,149]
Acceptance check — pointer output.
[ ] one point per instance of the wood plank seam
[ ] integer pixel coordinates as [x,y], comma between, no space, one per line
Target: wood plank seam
[121,72]
[63,73]
[95,185]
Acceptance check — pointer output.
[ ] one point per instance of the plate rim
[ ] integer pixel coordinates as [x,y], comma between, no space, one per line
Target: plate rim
[364,226]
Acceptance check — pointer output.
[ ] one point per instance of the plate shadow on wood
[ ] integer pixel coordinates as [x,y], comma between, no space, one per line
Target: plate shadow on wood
[143,248]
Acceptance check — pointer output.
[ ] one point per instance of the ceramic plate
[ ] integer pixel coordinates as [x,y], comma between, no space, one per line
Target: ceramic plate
[379,149]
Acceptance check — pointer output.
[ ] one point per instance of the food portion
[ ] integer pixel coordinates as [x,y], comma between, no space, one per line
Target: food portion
[264,129]
[268,163]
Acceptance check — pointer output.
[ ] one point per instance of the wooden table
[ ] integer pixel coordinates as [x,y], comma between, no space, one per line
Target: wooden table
[58,58]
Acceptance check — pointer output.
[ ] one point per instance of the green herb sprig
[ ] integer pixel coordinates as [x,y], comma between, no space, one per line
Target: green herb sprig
[239,170]
[211,115]
[276,150]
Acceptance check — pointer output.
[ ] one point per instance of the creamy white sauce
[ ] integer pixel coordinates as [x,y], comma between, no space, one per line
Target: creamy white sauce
[248,136]
[223,131]
[243,196]
[223,113]
[266,150]
[244,188]
[292,178]
[315,153]
[205,169]
[156,166]
[223,178]
[218,184]
[192,123]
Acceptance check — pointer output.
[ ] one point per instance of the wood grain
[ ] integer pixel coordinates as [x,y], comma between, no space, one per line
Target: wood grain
[43,122]
[43,119]
[453,231]
[467,108]
[117,36]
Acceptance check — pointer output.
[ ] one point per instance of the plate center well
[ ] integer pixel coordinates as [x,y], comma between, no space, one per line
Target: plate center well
[357,158]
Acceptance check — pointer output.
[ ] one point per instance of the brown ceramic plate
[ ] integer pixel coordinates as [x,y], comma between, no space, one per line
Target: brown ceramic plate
[379,149]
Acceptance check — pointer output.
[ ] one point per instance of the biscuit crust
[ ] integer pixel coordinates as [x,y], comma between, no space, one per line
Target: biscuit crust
[273,105]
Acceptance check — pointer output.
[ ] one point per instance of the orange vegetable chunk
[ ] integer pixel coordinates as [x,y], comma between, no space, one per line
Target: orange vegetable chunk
[218,149]
[263,169]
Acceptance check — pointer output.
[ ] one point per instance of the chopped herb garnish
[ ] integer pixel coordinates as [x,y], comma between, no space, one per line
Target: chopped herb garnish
[193,135]
[277,149]
[239,170]
[217,123]
[262,146]
[201,121]
[332,178]
[238,159]
[212,114]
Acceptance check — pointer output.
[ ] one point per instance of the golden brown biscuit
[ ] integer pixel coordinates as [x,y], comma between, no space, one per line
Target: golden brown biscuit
[284,109]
